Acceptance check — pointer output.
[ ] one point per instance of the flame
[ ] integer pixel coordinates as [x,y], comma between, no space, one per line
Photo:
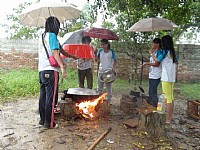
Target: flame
[88,107]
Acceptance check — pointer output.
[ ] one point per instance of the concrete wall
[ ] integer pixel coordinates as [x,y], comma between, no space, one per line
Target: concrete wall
[23,53]
[189,62]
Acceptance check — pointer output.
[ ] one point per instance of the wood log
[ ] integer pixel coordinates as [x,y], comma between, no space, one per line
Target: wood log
[153,123]
[193,109]
[67,108]
[103,109]
[99,139]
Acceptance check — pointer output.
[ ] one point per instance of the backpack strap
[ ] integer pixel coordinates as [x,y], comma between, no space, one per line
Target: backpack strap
[43,35]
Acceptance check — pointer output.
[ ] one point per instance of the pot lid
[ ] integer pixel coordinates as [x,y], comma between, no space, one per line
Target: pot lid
[81,91]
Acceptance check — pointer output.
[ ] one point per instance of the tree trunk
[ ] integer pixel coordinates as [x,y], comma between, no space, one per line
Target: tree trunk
[67,109]
[153,123]
[193,109]
[103,109]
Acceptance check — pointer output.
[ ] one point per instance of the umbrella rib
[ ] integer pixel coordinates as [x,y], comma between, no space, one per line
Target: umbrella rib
[69,12]
[38,16]
[50,11]
[24,18]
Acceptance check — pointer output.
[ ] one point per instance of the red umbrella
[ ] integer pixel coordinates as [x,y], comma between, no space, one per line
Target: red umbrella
[101,33]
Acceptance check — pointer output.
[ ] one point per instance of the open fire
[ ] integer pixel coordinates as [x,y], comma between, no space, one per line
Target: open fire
[88,108]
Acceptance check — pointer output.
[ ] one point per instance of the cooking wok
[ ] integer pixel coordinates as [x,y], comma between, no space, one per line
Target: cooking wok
[80,94]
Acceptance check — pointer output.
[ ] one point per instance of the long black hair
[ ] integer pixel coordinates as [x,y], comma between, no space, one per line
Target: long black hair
[167,44]
[52,24]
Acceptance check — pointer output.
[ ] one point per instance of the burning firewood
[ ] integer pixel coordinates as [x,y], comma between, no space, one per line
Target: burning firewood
[94,115]
[88,108]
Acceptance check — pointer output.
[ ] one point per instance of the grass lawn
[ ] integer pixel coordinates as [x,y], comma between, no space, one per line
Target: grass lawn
[24,83]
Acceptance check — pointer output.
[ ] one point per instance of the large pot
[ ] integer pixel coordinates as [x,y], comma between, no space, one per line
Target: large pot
[81,91]
[80,94]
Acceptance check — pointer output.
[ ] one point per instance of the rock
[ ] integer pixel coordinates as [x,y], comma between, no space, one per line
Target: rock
[131,122]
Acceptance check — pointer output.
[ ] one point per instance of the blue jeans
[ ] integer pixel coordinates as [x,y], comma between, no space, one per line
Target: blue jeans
[46,79]
[153,96]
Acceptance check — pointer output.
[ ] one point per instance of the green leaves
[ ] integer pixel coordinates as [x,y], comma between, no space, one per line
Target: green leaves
[15,29]
[127,12]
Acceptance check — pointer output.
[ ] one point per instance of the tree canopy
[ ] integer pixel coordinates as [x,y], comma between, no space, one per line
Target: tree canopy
[125,13]
[15,29]
[184,13]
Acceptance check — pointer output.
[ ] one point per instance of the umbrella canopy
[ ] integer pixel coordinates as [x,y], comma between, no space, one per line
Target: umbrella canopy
[72,37]
[152,24]
[101,33]
[37,13]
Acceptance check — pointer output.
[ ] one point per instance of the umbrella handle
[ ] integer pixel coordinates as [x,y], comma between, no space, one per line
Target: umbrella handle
[97,68]
[141,74]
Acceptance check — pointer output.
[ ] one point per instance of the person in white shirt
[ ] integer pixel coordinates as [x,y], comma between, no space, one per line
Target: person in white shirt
[107,61]
[168,76]
[48,75]
[155,70]
[85,68]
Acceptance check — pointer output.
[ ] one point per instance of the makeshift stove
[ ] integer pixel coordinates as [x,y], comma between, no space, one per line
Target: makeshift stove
[193,109]
[130,103]
[83,103]
[146,118]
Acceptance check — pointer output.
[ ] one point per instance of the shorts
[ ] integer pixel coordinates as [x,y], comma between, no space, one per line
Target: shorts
[168,90]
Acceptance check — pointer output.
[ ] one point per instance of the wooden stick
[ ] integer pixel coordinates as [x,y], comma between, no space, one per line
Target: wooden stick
[99,139]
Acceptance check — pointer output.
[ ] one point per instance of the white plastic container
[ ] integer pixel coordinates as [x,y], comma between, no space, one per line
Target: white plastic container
[161,103]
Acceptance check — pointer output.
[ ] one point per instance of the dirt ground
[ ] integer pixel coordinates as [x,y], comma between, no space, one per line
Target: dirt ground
[19,130]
